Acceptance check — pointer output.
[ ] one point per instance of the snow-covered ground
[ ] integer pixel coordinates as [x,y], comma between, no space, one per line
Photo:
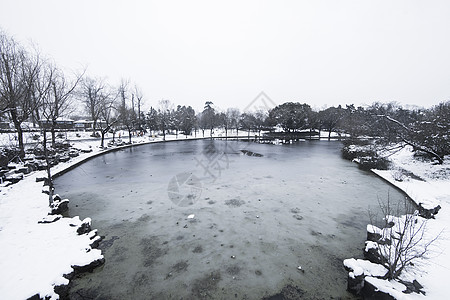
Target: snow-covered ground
[430,187]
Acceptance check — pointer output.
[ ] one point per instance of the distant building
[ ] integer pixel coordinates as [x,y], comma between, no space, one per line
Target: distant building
[6,125]
[83,125]
[61,123]
[88,125]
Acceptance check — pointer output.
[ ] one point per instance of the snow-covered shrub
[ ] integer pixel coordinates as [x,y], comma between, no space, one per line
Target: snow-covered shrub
[351,152]
[8,154]
[373,162]
[398,175]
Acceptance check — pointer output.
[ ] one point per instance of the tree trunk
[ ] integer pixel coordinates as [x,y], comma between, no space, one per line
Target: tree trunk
[94,126]
[52,130]
[102,143]
[20,139]
[19,130]
[129,134]
[49,175]
[329,134]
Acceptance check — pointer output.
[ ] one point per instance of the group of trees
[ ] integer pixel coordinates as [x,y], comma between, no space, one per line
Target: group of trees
[33,87]
[426,130]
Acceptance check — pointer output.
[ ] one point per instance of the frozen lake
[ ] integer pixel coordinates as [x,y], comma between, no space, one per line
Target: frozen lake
[256,220]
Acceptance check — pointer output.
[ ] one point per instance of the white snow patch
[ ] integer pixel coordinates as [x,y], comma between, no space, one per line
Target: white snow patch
[393,288]
[361,266]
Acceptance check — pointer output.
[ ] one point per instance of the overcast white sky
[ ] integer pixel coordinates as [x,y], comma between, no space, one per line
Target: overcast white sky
[320,52]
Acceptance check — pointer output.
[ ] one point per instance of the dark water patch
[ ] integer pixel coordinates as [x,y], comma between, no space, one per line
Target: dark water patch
[107,243]
[150,250]
[90,294]
[352,223]
[298,217]
[140,280]
[198,249]
[251,153]
[289,292]
[206,286]
[120,225]
[315,233]
[295,210]
[235,202]
[233,269]
[144,218]
[180,266]
[119,254]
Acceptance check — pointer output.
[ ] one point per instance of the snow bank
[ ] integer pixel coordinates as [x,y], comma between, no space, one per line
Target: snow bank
[364,267]
[393,288]
[427,185]
[35,256]
[421,192]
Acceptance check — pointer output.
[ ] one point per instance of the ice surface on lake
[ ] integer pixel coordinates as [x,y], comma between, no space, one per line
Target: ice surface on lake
[257,219]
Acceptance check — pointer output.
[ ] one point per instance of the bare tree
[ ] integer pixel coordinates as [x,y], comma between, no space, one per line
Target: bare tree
[109,113]
[233,115]
[127,114]
[425,131]
[92,92]
[41,94]
[18,72]
[59,103]
[248,122]
[139,102]
[402,240]
[260,116]
[165,112]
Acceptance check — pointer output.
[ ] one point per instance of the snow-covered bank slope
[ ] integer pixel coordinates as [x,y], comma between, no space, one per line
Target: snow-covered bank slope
[34,256]
[428,185]
[431,271]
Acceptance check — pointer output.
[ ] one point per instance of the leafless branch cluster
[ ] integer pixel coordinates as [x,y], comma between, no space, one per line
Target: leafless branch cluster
[402,240]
